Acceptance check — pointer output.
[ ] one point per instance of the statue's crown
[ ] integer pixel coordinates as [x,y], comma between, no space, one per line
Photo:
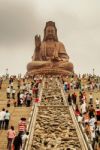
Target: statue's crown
[50,23]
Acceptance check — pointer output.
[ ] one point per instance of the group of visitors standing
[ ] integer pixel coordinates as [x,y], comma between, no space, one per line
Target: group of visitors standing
[24,93]
[16,141]
[4,119]
[85,105]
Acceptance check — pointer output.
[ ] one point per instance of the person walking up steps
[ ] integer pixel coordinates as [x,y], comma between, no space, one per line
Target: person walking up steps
[17,144]
[7,118]
[8,92]
[22,126]
[10,135]
[2,118]
[13,93]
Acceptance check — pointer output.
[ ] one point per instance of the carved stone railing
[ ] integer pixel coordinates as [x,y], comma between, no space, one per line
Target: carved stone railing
[84,141]
[32,121]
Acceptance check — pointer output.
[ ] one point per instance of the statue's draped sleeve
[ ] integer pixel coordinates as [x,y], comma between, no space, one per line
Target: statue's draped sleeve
[43,51]
[56,50]
[62,52]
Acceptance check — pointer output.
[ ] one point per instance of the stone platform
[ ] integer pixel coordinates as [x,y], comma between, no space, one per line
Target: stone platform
[49,71]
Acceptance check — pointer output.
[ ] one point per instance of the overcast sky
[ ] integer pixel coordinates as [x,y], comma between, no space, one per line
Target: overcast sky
[77,22]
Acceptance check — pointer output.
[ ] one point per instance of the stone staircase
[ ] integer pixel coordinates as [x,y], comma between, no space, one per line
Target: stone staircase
[54,128]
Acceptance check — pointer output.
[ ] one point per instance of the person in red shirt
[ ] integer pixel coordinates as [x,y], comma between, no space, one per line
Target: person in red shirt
[74,98]
[36,100]
[98,114]
[22,126]
[77,112]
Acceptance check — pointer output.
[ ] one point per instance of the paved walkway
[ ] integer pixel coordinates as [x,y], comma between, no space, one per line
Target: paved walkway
[16,114]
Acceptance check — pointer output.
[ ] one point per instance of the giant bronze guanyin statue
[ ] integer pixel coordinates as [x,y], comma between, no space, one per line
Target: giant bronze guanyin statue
[50,56]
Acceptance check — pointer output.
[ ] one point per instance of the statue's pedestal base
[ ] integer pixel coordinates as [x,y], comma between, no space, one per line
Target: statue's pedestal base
[45,71]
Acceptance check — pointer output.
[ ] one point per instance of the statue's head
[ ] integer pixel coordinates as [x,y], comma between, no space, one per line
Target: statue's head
[50,31]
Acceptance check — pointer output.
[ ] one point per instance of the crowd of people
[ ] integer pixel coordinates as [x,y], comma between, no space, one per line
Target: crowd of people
[24,93]
[80,94]
[21,92]
[4,119]
[84,83]
[80,91]
[16,141]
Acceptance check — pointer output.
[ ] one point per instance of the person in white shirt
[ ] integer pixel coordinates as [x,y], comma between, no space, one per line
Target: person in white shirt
[83,107]
[21,98]
[2,118]
[21,95]
[92,122]
[91,98]
[79,118]
[8,91]
[97,103]
[7,118]
[25,137]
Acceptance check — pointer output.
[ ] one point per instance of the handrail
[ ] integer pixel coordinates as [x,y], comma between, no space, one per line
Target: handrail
[83,141]
[84,134]
[32,121]
[31,124]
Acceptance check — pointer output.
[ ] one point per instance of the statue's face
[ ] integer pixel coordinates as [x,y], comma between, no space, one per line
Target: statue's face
[50,32]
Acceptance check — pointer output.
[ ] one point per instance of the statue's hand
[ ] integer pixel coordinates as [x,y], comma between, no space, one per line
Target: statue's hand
[55,58]
[37,41]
